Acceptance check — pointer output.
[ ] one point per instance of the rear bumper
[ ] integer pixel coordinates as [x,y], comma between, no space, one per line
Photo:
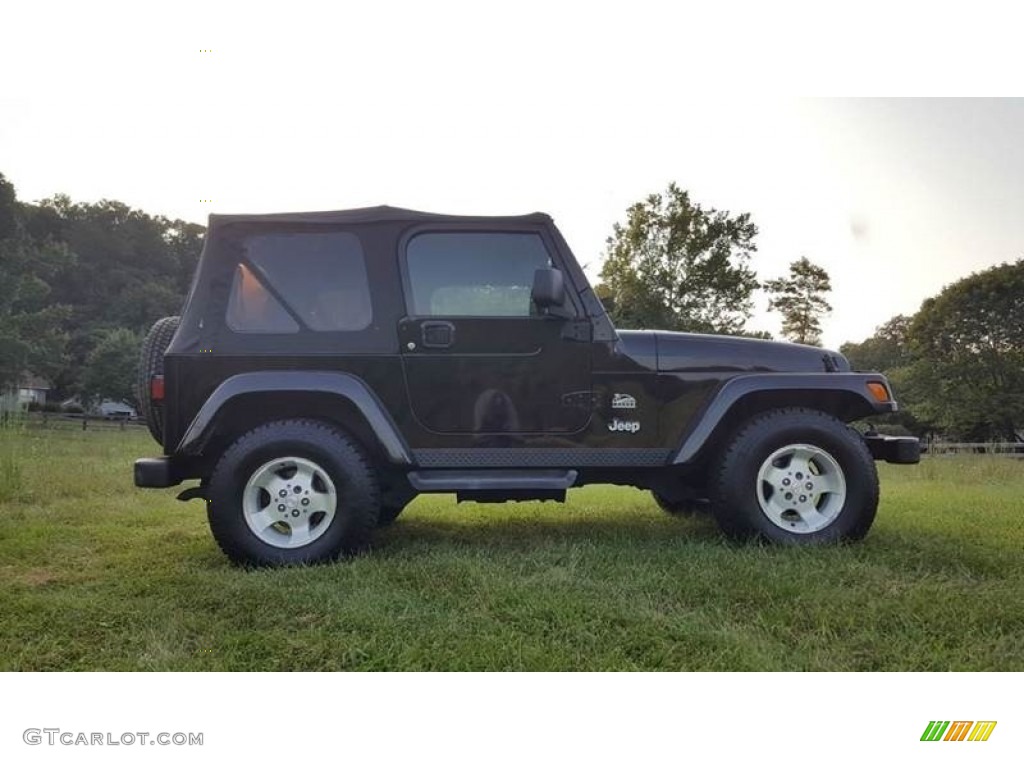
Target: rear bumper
[157,472]
[895,450]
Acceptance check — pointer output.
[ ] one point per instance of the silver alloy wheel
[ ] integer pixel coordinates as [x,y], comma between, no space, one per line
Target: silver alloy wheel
[801,488]
[289,502]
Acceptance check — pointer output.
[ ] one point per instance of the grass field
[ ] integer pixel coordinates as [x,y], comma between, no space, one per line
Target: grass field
[100,575]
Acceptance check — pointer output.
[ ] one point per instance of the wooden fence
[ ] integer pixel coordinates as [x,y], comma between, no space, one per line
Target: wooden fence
[65,421]
[938,448]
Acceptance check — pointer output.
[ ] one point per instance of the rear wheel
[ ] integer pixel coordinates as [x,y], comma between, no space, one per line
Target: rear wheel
[795,476]
[291,492]
[151,363]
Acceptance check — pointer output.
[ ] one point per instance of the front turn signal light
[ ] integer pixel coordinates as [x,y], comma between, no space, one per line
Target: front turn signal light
[878,391]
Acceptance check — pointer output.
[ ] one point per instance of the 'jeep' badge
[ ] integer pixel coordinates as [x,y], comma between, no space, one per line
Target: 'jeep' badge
[617,425]
[626,402]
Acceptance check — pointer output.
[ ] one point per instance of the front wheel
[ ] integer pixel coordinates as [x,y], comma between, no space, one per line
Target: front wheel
[796,476]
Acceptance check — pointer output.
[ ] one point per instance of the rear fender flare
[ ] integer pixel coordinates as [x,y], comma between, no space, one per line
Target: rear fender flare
[343,385]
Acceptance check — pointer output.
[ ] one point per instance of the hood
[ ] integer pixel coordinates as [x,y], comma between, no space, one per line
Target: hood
[698,353]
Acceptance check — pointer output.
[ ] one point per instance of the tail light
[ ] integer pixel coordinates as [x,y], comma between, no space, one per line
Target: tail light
[156,388]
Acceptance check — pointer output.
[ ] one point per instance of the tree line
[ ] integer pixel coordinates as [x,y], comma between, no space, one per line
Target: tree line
[80,283]
[957,365]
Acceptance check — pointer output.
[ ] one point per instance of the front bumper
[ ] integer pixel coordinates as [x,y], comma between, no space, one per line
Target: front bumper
[895,450]
[157,472]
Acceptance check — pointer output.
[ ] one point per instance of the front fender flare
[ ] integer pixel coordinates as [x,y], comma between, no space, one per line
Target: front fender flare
[738,387]
[344,385]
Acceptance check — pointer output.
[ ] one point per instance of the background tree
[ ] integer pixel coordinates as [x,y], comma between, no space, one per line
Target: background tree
[887,350]
[968,349]
[764,335]
[32,337]
[800,299]
[110,368]
[71,273]
[679,266]
[8,209]
[957,365]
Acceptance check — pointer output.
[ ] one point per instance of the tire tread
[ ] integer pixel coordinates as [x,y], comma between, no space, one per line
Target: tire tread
[346,451]
[724,470]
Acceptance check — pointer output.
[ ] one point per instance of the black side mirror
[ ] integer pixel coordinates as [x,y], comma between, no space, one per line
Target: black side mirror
[548,288]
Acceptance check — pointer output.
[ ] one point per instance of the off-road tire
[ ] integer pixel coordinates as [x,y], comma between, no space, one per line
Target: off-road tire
[680,508]
[151,363]
[735,476]
[341,458]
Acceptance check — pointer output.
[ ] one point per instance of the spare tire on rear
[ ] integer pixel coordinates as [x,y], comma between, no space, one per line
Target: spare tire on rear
[151,363]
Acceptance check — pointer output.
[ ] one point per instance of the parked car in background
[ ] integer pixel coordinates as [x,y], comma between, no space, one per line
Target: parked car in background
[114,410]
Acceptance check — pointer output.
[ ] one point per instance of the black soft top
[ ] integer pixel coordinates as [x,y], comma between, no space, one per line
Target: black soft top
[373,215]
[203,328]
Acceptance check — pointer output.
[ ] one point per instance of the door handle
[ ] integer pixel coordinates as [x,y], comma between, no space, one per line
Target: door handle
[437,334]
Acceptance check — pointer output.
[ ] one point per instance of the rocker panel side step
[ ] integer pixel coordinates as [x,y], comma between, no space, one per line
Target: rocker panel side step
[447,481]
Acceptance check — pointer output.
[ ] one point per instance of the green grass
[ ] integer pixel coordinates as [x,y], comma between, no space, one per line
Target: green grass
[100,575]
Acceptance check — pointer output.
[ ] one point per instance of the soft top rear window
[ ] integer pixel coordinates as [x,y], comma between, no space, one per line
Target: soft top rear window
[317,279]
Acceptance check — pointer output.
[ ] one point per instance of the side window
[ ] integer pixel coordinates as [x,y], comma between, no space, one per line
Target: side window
[474,273]
[321,276]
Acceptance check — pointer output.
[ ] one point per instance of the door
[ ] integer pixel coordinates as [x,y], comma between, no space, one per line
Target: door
[480,358]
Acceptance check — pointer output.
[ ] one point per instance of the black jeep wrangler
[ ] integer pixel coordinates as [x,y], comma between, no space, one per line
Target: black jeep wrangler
[329,367]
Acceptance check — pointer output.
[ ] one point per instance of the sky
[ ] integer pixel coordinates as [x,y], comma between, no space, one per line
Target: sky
[574,109]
